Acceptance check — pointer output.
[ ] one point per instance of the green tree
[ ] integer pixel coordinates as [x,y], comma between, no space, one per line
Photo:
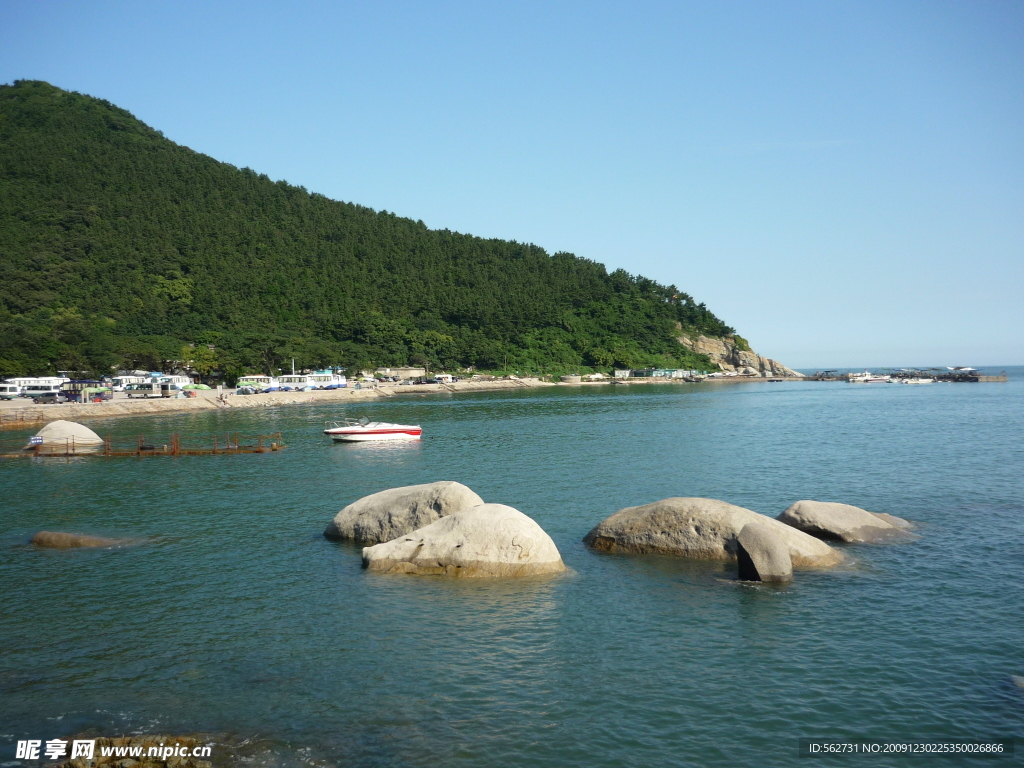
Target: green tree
[119,247]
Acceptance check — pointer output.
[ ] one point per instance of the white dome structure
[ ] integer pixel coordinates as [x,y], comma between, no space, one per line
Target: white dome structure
[63,437]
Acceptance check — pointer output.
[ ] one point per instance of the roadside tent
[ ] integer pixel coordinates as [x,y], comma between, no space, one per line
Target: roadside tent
[65,437]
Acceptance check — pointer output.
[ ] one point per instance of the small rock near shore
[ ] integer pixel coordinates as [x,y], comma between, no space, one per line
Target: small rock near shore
[699,528]
[762,555]
[59,540]
[66,437]
[842,522]
[395,512]
[489,540]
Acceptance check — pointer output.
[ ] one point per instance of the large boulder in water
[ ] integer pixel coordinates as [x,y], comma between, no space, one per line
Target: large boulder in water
[699,528]
[389,514]
[59,540]
[842,522]
[763,555]
[487,540]
[66,437]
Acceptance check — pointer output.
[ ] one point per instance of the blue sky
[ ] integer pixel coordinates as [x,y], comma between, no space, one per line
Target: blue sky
[842,182]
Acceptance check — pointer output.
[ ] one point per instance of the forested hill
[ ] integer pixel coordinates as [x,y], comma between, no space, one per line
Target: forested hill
[120,248]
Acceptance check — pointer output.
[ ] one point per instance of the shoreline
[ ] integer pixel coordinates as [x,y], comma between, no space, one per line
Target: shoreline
[13,416]
[18,417]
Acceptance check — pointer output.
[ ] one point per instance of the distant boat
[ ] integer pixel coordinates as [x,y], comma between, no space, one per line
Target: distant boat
[868,378]
[917,380]
[364,430]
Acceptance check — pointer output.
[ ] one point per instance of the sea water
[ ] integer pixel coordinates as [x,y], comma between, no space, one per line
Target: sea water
[236,618]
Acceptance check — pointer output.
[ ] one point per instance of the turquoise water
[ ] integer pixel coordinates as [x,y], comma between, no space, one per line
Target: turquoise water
[237,617]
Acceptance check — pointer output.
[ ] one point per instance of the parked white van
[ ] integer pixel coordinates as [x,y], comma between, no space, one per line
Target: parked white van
[9,391]
[35,390]
[146,389]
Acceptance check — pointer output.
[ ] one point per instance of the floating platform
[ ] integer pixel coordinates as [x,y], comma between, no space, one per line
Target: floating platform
[213,445]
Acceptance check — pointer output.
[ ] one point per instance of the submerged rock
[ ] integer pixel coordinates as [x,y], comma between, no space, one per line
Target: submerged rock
[763,555]
[699,528]
[842,522]
[59,540]
[489,540]
[395,512]
[167,752]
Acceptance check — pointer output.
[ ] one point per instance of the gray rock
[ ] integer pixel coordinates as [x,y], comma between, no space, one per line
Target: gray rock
[726,352]
[389,514]
[842,522]
[699,528]
[489,540]
[763,555]
[899,522]
[58,540]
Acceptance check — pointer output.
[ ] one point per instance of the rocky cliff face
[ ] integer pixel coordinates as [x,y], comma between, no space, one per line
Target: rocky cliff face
[730,355]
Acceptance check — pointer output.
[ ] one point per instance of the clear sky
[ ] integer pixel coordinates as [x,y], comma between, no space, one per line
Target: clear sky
[842,182]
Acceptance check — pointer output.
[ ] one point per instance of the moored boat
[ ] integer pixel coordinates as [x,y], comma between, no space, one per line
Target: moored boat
[364,430]
[868,378]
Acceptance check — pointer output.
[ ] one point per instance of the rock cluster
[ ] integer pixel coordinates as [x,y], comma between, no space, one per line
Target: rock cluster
[395,512]
[186,744]
[445,529]
[700,528]
[843,522]
[729,355]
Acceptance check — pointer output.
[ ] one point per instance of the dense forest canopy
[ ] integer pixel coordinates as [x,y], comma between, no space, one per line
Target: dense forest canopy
[121,249]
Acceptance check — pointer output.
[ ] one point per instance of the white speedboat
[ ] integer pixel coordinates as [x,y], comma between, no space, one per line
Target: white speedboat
[364,430]
[868,378]
[917,380]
